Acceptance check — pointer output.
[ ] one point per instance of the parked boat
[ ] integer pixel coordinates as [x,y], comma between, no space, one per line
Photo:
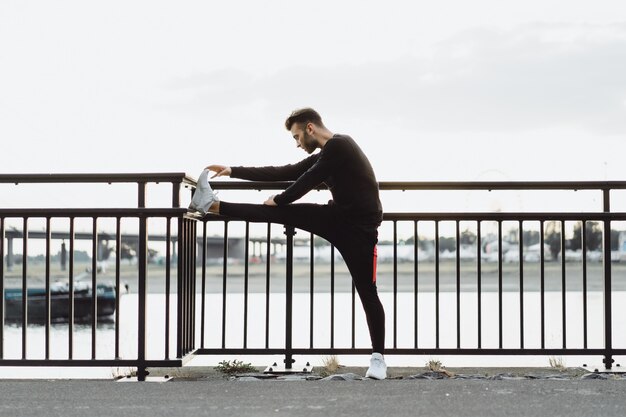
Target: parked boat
[59,302]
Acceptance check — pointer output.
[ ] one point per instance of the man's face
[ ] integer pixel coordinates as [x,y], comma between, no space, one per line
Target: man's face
[303,139]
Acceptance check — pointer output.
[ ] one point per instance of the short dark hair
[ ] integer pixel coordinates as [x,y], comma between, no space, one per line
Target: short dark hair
[304,116]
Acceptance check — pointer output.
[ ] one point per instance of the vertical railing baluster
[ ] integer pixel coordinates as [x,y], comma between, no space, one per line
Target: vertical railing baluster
[458,285]
[289,232]
[395,284]
[24,287]
[224,279]
[142,259]
[584,248]
[182,289]
[185,286]
[479,281]
[118,257]
[415,284]
[47,284]
[521,284]
[311,290]
[168,255]
[267,286]
[189,290]
[70,333]
[608,290]
[94,287]
[180,299]
[332,296]
[437,284]
[191,283]
[542,275]
[500,264]
[563,286]
[246,273]
[193,238]
[203,296]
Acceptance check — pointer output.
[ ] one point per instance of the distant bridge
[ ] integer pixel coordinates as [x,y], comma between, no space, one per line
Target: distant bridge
[215,245]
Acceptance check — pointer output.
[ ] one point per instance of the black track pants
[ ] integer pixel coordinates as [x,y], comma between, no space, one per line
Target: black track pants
[356,243]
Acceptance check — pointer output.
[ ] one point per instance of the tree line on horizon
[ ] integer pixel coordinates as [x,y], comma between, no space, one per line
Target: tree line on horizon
[552,238]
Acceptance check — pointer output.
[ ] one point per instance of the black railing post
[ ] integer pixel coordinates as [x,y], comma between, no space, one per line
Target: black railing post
[143,269]
[192,286]
[289,232]
[608,313]
[176,194]
[186,287]
[180,334]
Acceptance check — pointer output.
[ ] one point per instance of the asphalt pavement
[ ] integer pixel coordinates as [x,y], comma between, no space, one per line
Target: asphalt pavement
[242,397]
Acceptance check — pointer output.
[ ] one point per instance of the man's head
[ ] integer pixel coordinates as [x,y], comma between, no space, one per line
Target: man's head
[304,125]
[302,117]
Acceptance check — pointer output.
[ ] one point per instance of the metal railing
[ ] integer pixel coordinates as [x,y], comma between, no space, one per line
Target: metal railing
[185,271]
[583,219]
[196,278]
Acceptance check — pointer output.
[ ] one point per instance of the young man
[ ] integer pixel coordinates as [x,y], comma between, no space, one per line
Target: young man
[349,221]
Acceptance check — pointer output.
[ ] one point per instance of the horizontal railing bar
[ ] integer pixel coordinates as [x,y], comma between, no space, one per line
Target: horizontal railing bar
[179,177]
[439,185]
[477,216]
[91,362]
[530,216]
[164,212]
[91,212]
[409,351]
[182,177]
[503,185]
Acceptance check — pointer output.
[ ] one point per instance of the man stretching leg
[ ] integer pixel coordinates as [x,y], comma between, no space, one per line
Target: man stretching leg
[349,221]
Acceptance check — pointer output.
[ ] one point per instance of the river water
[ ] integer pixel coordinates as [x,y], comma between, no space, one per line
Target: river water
[404,333]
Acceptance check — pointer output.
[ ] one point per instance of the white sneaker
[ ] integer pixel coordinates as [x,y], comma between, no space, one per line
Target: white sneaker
[378,367]
[204,196]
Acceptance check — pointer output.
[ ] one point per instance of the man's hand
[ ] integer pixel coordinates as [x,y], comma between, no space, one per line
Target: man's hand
[270,201]
[220,170]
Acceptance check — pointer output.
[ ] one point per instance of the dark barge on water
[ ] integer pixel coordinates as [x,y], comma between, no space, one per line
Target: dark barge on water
[60,302]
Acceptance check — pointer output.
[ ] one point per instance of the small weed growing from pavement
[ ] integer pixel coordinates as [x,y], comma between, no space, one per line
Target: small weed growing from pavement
[331,365]
[118,373]
[557,363]
[236,367]
[434,365]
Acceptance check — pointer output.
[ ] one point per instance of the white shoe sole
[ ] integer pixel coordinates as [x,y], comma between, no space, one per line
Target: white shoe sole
[203,198]
[373,375]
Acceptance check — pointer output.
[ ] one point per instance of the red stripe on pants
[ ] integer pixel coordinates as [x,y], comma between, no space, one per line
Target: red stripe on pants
[375,262]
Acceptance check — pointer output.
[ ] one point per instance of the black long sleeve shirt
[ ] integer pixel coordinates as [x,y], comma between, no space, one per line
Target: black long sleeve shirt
[341,165]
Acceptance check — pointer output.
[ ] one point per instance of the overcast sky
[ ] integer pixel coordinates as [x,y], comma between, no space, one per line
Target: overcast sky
[445,90]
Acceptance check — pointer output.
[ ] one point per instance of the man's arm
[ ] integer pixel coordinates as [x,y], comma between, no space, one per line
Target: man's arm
[269,173]
[329,160]
[289,172]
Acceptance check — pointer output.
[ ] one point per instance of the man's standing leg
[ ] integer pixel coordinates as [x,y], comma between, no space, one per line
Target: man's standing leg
[360,259]
[358,250]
